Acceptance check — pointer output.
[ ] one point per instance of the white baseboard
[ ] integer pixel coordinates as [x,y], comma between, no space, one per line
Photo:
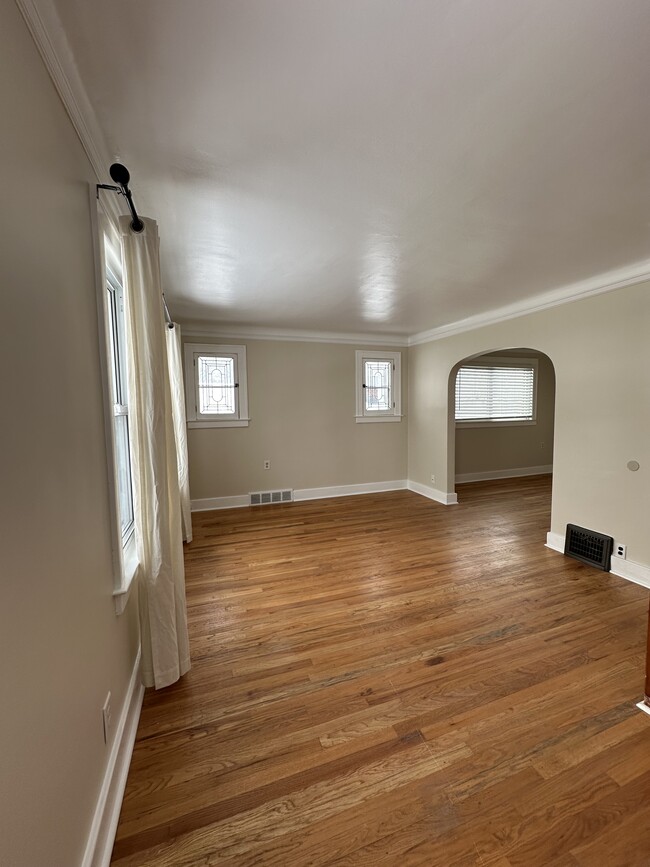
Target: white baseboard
[644,707]
[211,503]
[433,493]
[514,473]
[555,541]
[107,811]
[302,494]
[637,573]
[348,490]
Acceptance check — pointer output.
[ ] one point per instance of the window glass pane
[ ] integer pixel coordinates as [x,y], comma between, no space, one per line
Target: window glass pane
[123,462]
[118,362]
[216,385]
[378,383]
[495,393]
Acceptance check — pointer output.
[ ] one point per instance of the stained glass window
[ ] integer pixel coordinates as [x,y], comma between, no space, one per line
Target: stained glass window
[378,386]
[216,385]
[216,393]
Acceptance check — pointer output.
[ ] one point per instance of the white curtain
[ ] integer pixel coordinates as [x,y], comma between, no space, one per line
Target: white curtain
[174,358]
[161,579]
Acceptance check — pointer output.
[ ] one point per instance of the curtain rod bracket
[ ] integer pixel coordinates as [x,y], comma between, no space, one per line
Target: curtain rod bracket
[120,174]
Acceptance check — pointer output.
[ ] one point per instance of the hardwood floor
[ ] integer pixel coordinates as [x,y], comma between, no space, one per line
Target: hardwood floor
[383,680]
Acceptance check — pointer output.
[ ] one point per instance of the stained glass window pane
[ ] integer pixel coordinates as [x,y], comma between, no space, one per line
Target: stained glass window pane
[216,385]
[378,386]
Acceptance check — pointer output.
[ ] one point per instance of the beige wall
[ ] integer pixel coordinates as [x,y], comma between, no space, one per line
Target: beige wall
[601,354]
[492,449]
[302,405]
[63,648]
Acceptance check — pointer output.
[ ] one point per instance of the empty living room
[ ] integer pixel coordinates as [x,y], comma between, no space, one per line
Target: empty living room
[325,487]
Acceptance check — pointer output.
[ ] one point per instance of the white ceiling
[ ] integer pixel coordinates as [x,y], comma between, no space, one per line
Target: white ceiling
[375,166]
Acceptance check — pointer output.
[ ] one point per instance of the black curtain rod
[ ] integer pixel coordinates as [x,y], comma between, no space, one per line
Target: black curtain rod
[120,174]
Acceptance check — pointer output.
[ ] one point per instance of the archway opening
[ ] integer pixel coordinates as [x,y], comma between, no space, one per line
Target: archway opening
[501,416]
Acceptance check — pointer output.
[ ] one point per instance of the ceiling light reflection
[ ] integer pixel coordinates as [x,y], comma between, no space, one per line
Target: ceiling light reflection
[379,278]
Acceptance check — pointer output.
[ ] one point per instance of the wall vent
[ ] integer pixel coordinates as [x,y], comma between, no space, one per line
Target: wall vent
[589,547]
[262,498]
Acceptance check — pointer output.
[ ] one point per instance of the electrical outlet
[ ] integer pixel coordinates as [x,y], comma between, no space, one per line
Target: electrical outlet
[621,551]
[433,478]
[107,718]
[542,445]
[267,465]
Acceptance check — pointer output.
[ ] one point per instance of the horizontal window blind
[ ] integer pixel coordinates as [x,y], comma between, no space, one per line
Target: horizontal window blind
[492,393]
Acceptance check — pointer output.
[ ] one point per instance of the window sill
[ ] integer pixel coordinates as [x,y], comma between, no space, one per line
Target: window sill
[468,424]
[130,566]
[362,419]
[240,422]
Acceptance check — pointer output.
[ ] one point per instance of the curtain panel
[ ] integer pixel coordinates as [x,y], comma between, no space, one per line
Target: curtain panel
[161,579]
[174,357]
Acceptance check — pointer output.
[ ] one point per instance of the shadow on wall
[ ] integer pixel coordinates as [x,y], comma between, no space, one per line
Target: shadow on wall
[501,415]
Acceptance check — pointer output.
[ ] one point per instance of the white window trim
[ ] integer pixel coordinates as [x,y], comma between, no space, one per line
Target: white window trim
[124,553]
[501,361]
[194,418]
[363,417]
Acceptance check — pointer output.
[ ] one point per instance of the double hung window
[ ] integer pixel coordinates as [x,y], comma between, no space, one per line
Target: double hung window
[115,363]
[497,391]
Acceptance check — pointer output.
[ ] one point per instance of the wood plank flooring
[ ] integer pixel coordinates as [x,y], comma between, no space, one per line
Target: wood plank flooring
[383,680]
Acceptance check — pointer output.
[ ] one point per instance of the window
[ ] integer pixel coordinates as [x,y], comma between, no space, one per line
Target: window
[378,386]
[215,385]
[116,399]
[119,389]
[497,391]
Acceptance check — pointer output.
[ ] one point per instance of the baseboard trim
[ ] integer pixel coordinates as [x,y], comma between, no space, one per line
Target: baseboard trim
[107,811]
[637,573]
[211,503]
[433,494]
[514,473]
[348,490]
[644,707]
[555,541]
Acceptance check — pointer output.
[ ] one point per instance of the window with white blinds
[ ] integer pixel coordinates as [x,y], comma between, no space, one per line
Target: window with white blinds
[497,390]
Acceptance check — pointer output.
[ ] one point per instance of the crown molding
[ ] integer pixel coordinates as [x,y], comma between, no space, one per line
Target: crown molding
[47,31]
[608,281]
[204,329]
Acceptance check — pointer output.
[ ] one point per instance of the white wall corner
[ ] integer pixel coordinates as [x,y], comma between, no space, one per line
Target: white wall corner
[433,493]
[107,810]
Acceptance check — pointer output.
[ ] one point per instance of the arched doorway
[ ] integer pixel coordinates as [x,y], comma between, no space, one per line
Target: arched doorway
[501,416]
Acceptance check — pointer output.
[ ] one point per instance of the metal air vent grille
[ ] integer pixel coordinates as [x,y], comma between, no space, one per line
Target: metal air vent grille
[588,546]
[263,498]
